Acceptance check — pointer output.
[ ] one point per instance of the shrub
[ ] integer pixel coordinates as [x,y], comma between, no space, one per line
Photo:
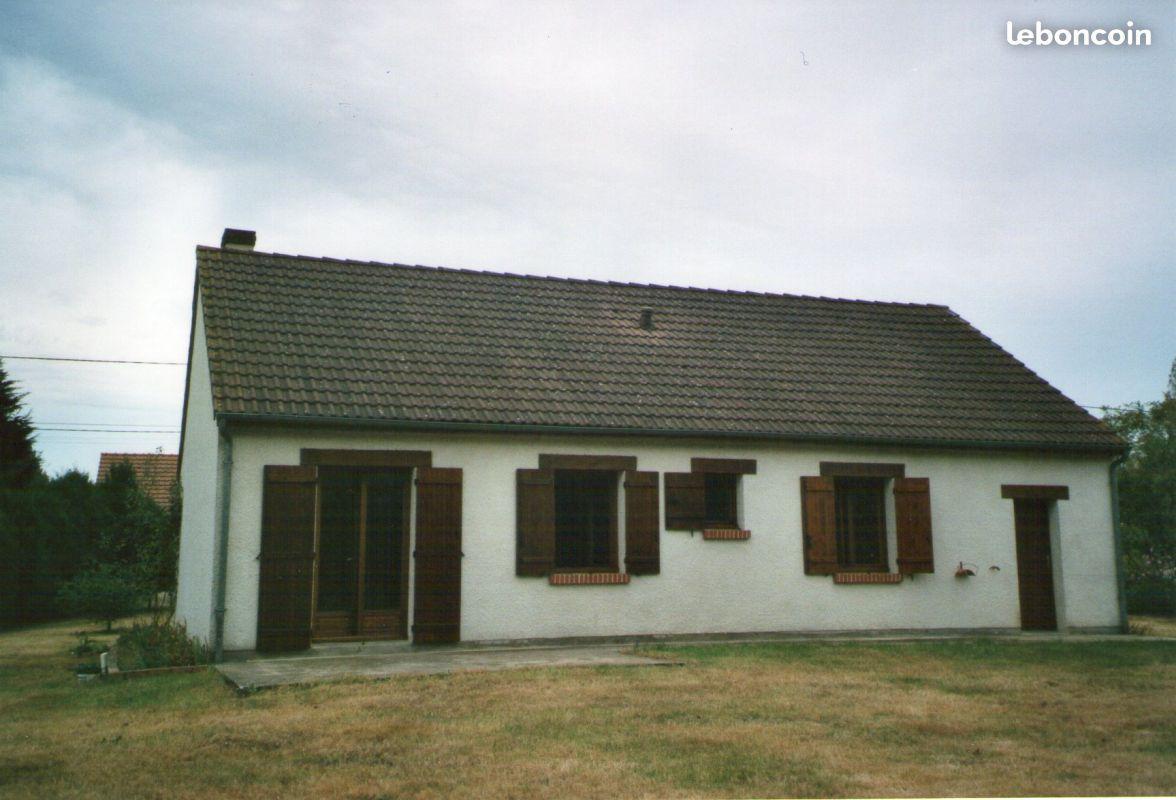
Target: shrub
[104,593]
[86,646]
[160,645]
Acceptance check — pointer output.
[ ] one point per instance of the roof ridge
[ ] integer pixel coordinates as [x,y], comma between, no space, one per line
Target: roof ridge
[588,281]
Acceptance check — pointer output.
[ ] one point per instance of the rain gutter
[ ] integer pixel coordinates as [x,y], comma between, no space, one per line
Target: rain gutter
[496,427]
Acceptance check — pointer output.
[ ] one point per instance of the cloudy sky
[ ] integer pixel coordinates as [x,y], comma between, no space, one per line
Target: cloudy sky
[897,151]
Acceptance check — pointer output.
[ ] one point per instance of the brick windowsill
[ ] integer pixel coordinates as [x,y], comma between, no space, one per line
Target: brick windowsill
[588,578]
[867,577]
[725,534]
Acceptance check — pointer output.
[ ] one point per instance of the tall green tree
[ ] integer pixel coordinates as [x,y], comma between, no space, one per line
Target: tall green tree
[47,534]
[19,463]
[162,558]
[1147,501]
[20,474]
[69,531]
[129,522]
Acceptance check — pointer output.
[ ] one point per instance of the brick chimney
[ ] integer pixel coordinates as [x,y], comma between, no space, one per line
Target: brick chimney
[235,239]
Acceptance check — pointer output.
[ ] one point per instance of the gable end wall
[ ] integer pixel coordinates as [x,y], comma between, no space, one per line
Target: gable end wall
[198,479]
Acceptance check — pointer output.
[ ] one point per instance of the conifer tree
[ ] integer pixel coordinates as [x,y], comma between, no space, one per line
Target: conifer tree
[19,462]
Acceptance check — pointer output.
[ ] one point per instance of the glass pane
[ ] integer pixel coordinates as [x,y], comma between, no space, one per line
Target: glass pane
[384,545]
[338,544]
[866,524]
[861,522]
[720,500]
[585,504]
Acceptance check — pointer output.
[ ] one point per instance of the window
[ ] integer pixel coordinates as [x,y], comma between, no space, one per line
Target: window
[585,519]
[861,523]
[845,519]
[569,518]
[708,495]
[721,508]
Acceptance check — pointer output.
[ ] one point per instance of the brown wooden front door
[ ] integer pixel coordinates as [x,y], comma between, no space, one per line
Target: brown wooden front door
[361,577]
[1034,564]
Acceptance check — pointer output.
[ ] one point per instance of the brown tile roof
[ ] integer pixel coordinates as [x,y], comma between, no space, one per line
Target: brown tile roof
[300,337]
[155,472]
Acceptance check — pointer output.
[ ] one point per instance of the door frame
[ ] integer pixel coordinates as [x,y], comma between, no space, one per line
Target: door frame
[357,615]
[1046,498]
[408,460]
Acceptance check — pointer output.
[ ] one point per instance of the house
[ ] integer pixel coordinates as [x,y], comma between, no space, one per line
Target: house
[381,451]
[156,473]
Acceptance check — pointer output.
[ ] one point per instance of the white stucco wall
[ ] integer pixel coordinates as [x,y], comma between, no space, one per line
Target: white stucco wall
[198,477]
[707,587]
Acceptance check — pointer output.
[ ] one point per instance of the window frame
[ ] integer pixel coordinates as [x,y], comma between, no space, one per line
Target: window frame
[613,505]
[843,487]
[721,483]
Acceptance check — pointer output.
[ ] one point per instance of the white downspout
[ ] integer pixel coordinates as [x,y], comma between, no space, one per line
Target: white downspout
[1120,571]
[222,545]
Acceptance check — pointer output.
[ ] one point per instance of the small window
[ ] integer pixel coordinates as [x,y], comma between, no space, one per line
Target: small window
[585,519]
[861,523]
[706,497]
[721,504]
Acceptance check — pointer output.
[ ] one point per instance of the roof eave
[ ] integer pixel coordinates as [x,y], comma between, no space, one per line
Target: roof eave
[581,430]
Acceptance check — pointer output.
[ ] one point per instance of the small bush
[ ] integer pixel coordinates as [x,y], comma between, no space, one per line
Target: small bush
[86,646]
[104,594]
[160,645]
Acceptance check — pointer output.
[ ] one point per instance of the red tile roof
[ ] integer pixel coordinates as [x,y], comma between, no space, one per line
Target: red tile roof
[155,472]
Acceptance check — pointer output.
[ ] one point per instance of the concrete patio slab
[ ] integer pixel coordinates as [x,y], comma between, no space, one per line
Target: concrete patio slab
[338,661]
[318,667]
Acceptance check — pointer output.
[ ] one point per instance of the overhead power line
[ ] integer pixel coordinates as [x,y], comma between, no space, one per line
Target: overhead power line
[102,430]
[97,360]
[112,424]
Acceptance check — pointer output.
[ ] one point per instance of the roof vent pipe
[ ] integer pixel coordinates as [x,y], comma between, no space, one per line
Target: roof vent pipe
[236,239]
[647,318]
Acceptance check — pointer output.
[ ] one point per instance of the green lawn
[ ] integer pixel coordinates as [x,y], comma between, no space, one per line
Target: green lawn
[967,717]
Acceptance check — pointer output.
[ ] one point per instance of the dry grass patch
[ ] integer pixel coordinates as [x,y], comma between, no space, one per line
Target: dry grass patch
[1153,626]
[807,719]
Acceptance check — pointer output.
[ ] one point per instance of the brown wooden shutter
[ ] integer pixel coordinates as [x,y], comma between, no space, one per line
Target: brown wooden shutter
[436,609]
[286,575]
[912,511]
[642,531]
[685,501]
[819,510]
[535,521]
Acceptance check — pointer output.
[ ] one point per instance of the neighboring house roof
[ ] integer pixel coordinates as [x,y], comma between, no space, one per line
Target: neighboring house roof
[154,472]
[301,338]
